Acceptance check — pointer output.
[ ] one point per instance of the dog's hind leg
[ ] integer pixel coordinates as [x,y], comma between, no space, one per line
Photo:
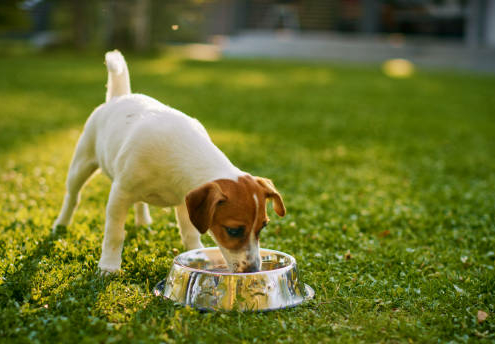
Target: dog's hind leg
[83,165]
[111,252]
[189,234]
[142,215]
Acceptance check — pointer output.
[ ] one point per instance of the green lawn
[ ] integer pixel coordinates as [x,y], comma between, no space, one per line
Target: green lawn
[389,186]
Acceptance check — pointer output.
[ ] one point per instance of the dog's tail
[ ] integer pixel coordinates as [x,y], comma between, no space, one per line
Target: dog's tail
[118,75]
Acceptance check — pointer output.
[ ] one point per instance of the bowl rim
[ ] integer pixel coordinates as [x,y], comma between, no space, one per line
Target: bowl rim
[291,265]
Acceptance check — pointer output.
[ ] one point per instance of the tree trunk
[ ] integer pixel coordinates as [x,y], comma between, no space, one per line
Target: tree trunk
[79,23]
[142,25]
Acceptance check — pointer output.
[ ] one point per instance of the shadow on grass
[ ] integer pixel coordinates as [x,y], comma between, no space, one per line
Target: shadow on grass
[17,284]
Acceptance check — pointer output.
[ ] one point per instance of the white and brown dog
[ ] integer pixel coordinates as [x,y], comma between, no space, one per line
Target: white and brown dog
[158,155]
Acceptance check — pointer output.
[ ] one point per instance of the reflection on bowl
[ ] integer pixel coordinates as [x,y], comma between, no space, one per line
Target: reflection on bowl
[200,279]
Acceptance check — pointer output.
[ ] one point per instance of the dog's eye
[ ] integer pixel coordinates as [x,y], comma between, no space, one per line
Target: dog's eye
[235,232]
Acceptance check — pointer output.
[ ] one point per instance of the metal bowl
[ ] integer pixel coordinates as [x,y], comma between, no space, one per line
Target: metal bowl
[200,279]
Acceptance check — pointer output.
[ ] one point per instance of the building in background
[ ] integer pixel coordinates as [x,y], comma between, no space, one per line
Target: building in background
[446,33]
[470,20]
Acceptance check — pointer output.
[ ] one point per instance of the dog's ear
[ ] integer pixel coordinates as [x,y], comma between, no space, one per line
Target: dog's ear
[273,194]
[201,204]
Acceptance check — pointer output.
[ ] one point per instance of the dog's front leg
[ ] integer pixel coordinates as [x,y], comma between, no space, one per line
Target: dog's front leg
[111,252]
[189,234]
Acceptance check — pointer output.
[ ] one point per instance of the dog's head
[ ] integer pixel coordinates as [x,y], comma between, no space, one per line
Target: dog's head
[235,213]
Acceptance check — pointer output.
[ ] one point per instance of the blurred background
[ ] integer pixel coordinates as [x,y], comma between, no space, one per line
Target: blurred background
[444,33]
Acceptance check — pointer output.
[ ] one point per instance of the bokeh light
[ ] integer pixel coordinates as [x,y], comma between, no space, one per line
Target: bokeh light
[398,68]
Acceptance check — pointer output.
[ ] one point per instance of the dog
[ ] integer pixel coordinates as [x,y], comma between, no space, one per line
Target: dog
[157,155]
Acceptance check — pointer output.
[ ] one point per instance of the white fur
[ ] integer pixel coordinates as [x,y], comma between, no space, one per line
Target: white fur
[153,154]
[118,75]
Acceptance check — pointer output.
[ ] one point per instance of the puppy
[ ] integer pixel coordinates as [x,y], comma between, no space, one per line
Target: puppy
[158,155]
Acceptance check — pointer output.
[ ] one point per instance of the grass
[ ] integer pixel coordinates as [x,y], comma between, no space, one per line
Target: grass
[389,186]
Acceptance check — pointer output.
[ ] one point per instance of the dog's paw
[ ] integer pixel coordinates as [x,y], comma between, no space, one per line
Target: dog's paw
[143,220]
[105,273]
[193,245]
[145,224]
[58,229]
[108,269]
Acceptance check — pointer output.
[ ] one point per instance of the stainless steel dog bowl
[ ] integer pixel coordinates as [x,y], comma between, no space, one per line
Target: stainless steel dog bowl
[200,279]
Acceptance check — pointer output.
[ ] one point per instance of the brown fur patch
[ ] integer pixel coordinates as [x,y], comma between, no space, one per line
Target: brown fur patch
[227,203]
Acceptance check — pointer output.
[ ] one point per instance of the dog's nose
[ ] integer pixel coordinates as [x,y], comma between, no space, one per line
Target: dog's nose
[252,268]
